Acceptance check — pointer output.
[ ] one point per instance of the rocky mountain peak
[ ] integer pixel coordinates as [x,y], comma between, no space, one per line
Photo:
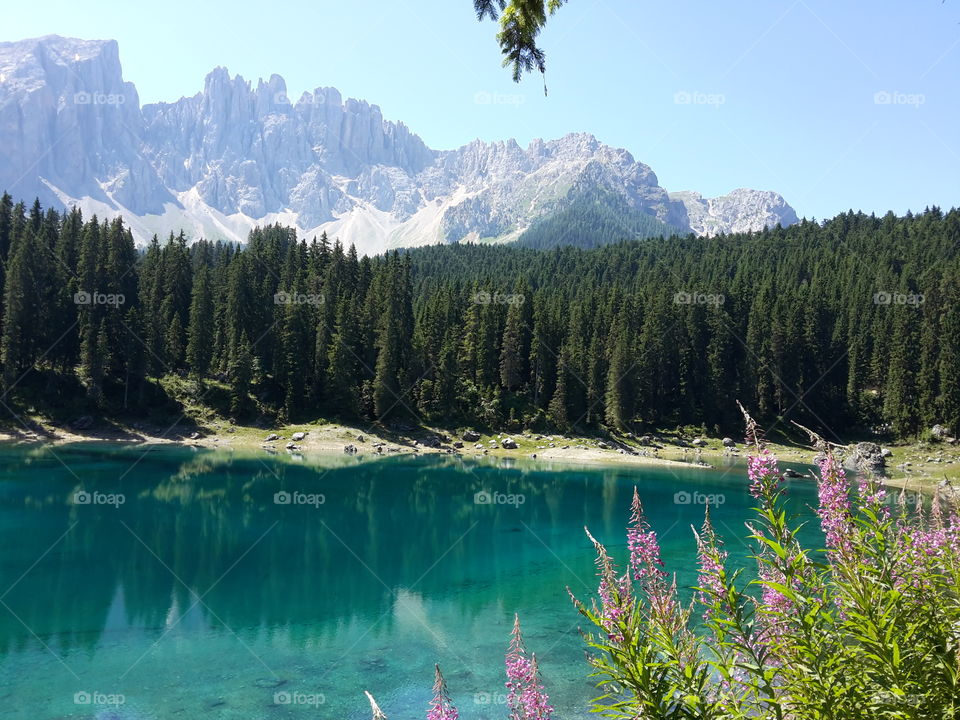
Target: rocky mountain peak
[237,154]
[741,210]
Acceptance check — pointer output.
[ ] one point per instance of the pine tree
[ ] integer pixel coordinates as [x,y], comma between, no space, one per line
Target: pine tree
[200,330]
[341,363]
[619,394]
[241,377]
[557,409]
[18,343]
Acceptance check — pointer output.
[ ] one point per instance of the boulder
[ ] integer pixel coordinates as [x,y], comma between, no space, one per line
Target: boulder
[939,433]
[509,444]
[298,436]
[603,446]
[866,456]
[272,437]
[698,442]
[729,442]
[350,449]
[471,436]
[457,444]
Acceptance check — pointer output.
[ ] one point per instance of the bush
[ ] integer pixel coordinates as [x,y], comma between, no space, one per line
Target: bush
[870,630]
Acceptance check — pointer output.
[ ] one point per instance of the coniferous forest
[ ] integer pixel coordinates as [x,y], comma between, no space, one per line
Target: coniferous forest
[845,325]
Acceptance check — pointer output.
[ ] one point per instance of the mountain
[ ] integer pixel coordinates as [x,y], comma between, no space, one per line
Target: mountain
[235,155]
[742,210]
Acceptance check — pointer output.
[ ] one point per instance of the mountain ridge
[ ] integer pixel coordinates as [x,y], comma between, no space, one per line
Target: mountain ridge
[236,155]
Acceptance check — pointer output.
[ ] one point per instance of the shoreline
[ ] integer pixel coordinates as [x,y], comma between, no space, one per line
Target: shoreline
[326,440]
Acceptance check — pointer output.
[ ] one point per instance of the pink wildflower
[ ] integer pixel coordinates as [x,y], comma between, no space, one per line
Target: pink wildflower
[712,558]
[441,708]
[645,561]
[764,474]
[834,510]
[526,699]
[872,494]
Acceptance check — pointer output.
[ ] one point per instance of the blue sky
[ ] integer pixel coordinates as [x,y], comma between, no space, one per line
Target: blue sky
[835,105]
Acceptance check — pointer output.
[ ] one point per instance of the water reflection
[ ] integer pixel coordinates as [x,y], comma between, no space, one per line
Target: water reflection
[423,551]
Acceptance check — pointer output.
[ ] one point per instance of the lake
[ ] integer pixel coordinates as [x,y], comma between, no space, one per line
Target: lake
[170,582]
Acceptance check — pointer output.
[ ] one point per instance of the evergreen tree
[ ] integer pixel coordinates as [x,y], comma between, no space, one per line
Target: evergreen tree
[200,331]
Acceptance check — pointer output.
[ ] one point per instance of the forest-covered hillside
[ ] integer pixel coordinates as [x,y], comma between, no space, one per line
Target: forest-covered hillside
[843,325]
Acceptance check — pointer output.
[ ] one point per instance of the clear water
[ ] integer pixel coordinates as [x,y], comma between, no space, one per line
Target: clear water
[200,596]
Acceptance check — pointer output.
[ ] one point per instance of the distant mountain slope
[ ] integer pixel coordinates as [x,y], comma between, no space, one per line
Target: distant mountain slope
[739,211]
[593,218]
[235,155]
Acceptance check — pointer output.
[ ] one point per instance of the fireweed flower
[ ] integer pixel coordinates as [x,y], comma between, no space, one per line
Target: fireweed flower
[834,510]
[712,558]
[614,607]
[646,565]
[441,708]
[764,474]
[615,593]
[873,495]
[535,702]
[645,561]
[526,699]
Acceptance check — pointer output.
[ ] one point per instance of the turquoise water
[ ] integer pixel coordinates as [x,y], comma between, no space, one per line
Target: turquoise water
[186,588]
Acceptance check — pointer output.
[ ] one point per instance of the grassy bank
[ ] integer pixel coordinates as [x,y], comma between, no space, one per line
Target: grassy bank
[918,465]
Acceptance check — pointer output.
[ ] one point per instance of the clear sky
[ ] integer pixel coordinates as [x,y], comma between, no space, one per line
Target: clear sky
[769,94]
